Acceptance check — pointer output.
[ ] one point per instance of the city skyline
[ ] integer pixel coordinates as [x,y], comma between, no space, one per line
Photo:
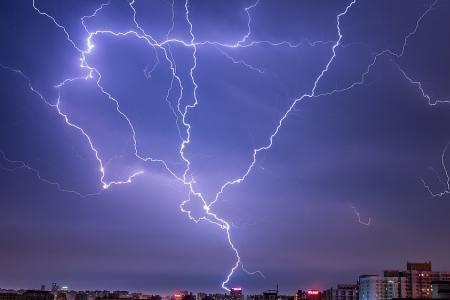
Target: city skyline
[206,145]
[399,285]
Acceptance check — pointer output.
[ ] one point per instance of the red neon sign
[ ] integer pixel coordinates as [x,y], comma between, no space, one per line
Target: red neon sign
[313,292]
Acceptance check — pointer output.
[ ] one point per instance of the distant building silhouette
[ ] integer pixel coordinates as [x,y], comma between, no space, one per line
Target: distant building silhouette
[37,295]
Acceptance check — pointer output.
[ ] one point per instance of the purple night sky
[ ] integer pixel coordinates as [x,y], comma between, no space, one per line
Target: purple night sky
[122,122]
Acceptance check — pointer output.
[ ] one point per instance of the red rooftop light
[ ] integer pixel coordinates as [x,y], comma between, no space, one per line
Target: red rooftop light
[313,292]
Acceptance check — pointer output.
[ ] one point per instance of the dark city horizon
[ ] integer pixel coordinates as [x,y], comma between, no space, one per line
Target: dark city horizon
[192,145]
[406,281]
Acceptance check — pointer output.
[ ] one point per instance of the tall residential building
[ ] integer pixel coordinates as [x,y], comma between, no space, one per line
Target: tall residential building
[414,282]
[396,284]
[371,287]
[419,277]
[374,287]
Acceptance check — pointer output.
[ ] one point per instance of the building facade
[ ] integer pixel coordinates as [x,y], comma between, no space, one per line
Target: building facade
[342,292]
[413,283]
[372,287]
[440,289]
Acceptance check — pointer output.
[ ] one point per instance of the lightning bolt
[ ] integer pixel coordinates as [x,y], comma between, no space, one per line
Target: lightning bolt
[419,86]
[252,272]
[181,111]
[240,61]
[18,164]
[358,215]
[291,107]
[66,119]
[445,182]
